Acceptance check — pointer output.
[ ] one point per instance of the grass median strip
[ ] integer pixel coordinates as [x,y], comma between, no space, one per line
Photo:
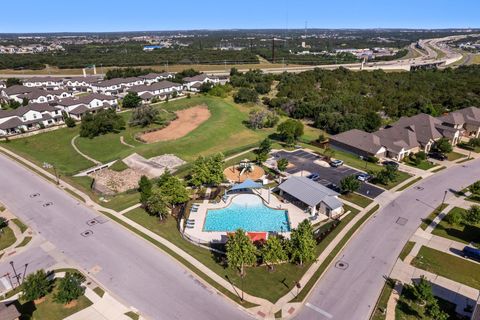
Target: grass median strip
[406,250]
[357,199]
[448,266]
[426,222]
[381,306]
[187,264]
[24,242]
[439,169]
[306,289]
[22,226]
[405,186]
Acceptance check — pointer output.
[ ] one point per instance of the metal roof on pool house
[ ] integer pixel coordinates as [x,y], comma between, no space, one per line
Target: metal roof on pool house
[310,192]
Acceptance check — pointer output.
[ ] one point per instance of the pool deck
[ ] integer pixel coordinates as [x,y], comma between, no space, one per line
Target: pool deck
[295,216]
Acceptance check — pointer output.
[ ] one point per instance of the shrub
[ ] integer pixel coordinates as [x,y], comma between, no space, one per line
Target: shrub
[454,218]
[373,159]
[69,288]
[245,95]
[102,122]
[131,100]
[70,122]
[36,285]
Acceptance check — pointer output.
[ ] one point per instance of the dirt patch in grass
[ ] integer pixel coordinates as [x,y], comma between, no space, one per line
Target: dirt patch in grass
[187,121]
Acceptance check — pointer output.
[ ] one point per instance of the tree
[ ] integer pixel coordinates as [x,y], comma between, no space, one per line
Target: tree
[240,251]
[3,223]
[205,87]
[273,252]
[329,153]
[349,184]
[12,82]
[207,170]
[290,130]
[265,146]
[473,215]
[422,291]
[144,116]
[145,189]
[131,100]
[302,244]
[475,188]
[282,164]
[25,102]
[234,72]
[433,310]
[36,285]
[261,157]
[69,288]
[421,155]
[474,142]
[455,218]
[245,95]
[69,122]
[156,204]
[372,121]
[102,122]
[173,189]
[443,146]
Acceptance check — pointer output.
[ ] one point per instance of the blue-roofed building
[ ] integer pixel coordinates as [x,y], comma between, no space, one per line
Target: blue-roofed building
[152,47]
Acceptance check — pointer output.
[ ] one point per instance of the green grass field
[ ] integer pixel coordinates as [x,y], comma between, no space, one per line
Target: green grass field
[7,238]
[448,266]
[465,233]
[357,199]
[381,306]
[453,156]
[423,165]
[406,250]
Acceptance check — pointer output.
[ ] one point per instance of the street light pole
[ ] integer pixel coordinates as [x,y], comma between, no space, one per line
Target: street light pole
[444,196]
[15,272]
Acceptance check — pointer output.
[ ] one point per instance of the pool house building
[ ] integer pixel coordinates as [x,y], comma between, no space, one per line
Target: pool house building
[311,196]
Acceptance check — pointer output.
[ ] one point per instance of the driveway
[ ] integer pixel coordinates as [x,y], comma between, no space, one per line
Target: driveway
[305,161]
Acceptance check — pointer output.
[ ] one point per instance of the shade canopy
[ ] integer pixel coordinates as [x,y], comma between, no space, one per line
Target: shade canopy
[247,184]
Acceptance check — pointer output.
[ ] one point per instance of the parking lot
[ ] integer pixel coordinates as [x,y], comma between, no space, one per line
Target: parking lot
[305,161]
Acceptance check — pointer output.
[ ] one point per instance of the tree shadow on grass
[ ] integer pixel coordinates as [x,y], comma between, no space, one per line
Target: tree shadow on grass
[26,309]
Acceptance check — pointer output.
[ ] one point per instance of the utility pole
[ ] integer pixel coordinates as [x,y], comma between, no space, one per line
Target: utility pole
[15,273]
[273,50]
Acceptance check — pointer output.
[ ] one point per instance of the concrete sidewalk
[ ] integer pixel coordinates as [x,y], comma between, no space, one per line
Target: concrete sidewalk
[444,288]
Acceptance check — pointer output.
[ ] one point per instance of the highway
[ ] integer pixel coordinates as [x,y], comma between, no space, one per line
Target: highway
[351,292]
[401,64]
[133,270]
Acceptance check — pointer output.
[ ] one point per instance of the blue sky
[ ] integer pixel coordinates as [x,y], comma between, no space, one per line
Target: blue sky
[133,15]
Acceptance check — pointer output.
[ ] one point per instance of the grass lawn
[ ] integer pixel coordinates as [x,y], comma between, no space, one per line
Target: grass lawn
[99,291]
[258,281]
[461,233]
[24,242]
[408,309]
[132,315]
[357,199]
[381,307]
[406,250]
[448,266]
[452,156]
[402,176]
[49,309]
[424,165]
[122,201]
[53,147]
[7,238]
[118,166]
[426,222]
[22,226]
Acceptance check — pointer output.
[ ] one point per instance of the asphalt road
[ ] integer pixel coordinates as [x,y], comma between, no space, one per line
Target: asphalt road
[304,161]
[135,271]
[371,254]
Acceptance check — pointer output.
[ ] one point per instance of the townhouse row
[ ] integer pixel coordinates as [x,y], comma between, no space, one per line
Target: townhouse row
[410,135]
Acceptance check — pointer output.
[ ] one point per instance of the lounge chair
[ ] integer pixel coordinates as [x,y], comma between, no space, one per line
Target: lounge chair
[190,226]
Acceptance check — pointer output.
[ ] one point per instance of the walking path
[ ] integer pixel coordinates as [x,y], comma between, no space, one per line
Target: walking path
[122,141]
[393,300]
[135,206]
[240,154]
[83,154]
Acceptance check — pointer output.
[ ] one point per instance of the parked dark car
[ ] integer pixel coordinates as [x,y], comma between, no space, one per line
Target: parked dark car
[438,155]
[334,187]
[391,163]
[313,176]
[471,253]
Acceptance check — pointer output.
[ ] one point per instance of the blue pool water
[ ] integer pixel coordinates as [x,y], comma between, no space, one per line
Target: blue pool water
[248,212]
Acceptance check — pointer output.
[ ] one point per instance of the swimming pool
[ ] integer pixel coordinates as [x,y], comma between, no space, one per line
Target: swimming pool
[247,211]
